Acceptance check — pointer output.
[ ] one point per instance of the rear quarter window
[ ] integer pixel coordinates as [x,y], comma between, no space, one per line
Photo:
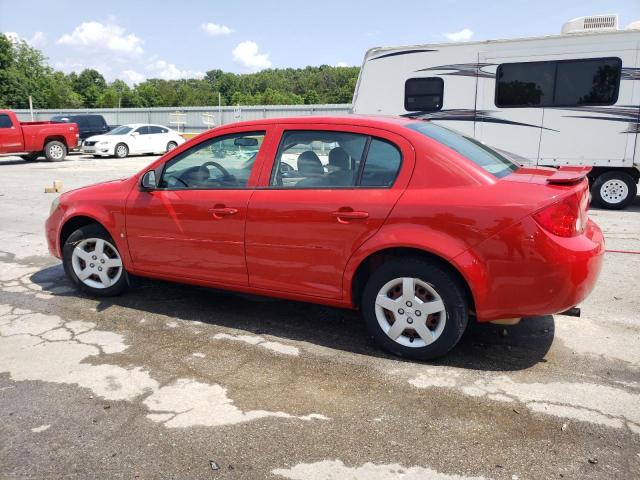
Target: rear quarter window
[487,158]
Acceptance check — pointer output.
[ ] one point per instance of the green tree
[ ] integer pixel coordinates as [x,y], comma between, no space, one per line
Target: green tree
[90,85]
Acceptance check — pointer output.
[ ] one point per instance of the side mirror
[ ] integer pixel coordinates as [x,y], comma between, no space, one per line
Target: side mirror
[148,181]
[135,134]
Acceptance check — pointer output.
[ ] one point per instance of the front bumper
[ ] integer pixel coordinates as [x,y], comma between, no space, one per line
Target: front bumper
[526,271]
[97,150]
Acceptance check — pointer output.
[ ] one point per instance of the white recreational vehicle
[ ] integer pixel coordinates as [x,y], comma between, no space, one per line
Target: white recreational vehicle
[570,99]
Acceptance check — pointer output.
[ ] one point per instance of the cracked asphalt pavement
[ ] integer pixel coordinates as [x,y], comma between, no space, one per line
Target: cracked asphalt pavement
[175,381]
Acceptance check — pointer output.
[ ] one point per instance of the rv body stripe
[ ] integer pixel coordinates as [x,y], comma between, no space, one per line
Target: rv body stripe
[402,52]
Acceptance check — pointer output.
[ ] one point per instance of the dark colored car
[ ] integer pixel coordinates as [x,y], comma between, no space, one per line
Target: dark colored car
[88,125]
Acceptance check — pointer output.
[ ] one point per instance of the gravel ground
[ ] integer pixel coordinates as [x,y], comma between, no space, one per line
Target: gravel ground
[166,379]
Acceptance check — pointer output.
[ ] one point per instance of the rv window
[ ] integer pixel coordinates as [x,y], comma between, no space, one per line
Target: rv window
[525,84]
[423,94]
[563,83]
[588,82]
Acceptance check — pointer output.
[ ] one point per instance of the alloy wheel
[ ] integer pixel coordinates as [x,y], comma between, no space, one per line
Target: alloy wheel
[96,263]
[410,312]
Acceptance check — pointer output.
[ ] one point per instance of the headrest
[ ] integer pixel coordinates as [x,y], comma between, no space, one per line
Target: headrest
[338,158]
[309,164]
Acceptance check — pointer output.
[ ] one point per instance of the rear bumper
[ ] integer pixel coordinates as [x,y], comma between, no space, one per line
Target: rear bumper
[527,271]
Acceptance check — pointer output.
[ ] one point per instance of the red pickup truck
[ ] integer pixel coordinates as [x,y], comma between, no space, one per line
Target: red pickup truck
[31,140]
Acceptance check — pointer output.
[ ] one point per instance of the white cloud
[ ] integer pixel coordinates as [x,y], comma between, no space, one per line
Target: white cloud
[342,64]
[168,71]
[99,37]
[38,39]
[247,54]
[463,35]
[131,77]
[214,29]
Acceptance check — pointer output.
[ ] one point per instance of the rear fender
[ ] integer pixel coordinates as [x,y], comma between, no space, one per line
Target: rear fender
[417,237]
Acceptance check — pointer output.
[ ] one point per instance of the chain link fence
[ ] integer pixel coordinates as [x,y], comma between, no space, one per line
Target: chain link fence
[191,119]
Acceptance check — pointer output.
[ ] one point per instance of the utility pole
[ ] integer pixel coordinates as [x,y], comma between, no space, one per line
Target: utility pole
[31,107]
[219,109]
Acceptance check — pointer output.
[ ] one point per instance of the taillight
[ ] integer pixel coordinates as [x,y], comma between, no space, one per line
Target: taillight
[565,218]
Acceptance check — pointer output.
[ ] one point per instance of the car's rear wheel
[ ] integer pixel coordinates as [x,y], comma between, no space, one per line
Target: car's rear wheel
[614,190]
[30,157]
[55,151]
[414,308]
[121,150]
[93,263]
[171,146]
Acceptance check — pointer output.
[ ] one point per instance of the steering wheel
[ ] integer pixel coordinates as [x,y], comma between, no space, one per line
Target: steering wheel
[225,173]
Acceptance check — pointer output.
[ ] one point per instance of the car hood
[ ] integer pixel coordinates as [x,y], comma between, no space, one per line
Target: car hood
[102,138]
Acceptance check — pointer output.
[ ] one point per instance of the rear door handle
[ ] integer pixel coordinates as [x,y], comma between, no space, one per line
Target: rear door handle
[344,216]
[219,212]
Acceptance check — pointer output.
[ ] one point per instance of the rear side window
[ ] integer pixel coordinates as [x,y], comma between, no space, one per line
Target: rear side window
[5,121]
[96,122]
[563,83]
[381,165]
[423,94]
[143,130]
[155,129]
[483,156]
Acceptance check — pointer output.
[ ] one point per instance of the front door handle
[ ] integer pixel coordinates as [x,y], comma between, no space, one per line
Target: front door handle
[222,211]
[344,216]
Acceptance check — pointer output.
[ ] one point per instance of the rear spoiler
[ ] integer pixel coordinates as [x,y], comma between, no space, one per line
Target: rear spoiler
[568,175]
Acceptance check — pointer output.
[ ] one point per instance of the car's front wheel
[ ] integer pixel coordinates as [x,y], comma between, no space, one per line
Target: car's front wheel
[121,150]
[93,263]
[171,146]
[414,308]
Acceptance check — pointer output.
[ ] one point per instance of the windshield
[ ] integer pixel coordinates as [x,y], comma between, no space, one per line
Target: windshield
[121,130]
[483,156]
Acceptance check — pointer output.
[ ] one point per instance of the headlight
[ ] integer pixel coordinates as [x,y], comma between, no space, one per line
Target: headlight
[54,205]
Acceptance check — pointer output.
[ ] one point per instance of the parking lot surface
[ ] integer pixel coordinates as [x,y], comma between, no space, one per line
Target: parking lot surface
[173,381]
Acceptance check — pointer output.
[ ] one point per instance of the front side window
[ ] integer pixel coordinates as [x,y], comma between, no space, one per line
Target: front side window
[218,163]
[562,83]
[143,130]
[423,94]
[483,156]
[5,121]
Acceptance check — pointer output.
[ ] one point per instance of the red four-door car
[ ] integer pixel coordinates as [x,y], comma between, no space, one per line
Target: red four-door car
[417,226]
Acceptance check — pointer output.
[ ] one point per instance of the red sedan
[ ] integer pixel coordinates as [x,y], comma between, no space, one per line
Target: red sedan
[417,226]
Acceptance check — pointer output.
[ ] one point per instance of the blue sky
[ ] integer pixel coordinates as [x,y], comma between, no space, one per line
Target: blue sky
[134,40]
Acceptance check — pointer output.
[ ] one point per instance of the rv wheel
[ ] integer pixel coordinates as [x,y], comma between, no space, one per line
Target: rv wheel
[614,190]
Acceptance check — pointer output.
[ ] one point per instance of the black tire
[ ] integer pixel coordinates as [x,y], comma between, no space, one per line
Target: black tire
[83,233]
[442,281]
[171,146]
[606,185]
[55,151]
[97,156]
[30,157]
[121,150]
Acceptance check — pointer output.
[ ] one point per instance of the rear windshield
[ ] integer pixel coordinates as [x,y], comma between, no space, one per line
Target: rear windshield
[483,156]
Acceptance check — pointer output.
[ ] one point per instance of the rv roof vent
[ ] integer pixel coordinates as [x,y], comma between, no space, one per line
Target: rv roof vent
[591,23]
